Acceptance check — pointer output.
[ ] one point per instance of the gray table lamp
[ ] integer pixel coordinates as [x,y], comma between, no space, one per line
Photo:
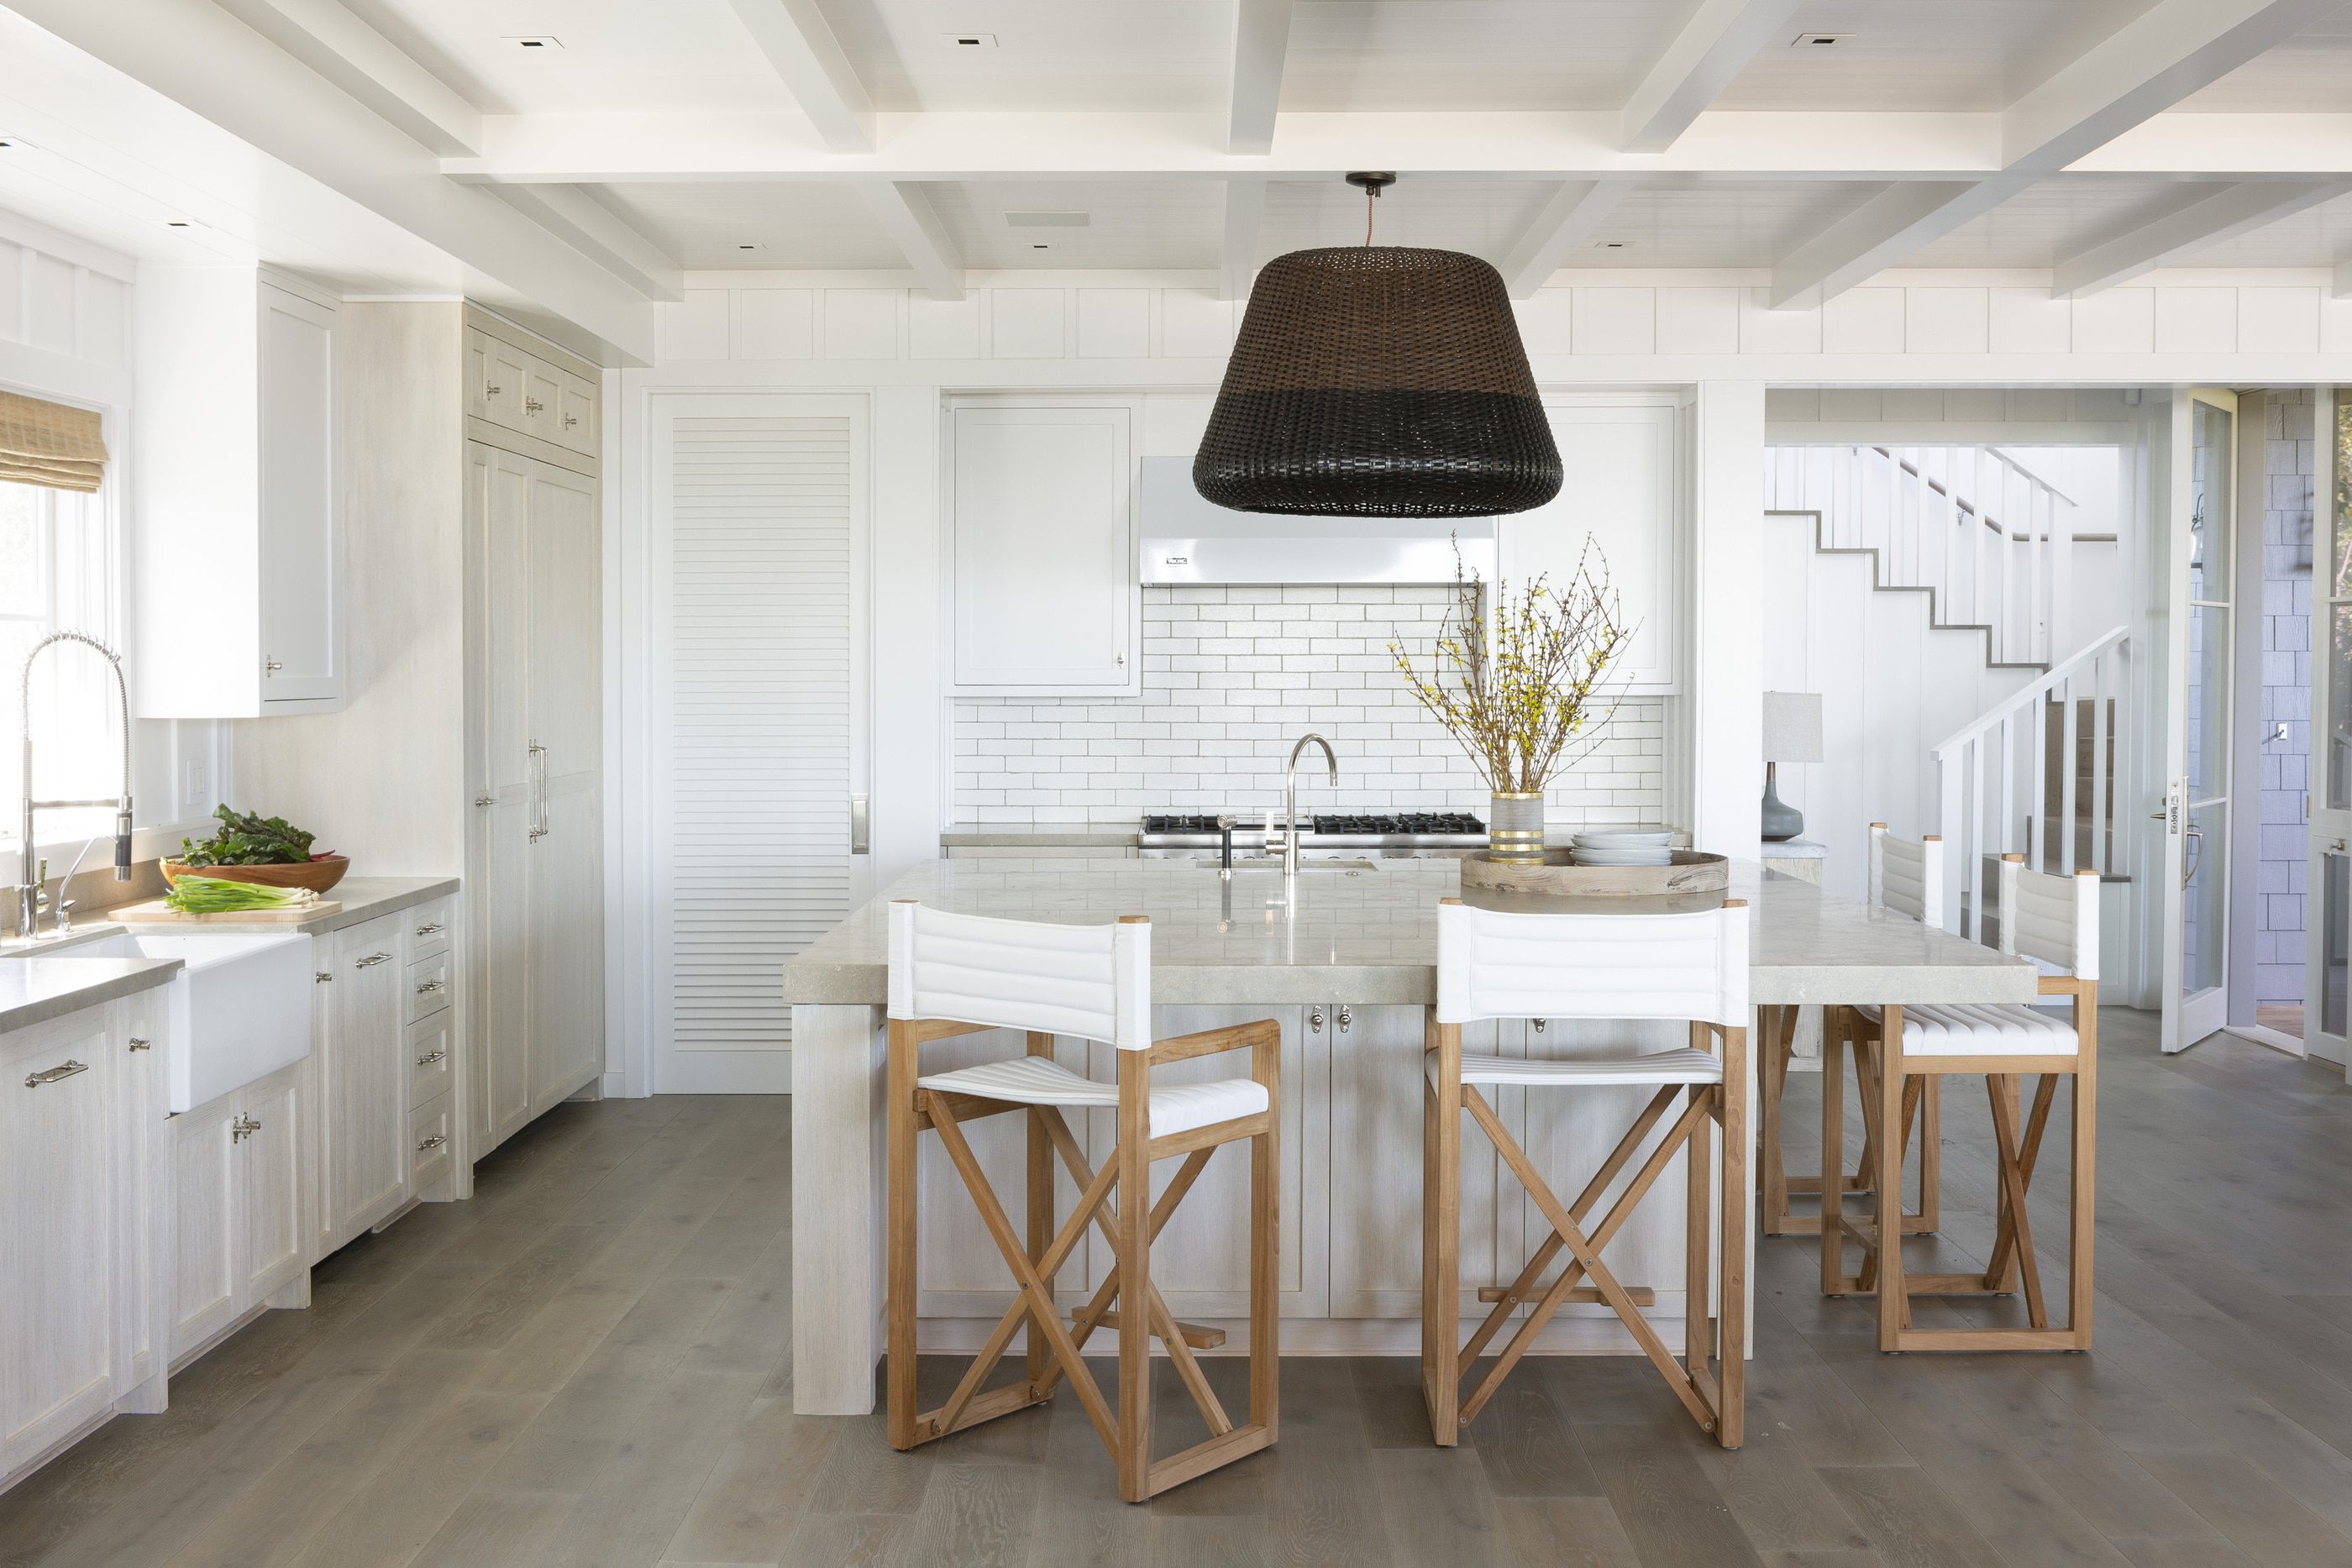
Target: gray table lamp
[1792,733]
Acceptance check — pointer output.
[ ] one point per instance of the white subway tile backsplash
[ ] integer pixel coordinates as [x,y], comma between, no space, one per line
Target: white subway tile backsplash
[1232,675]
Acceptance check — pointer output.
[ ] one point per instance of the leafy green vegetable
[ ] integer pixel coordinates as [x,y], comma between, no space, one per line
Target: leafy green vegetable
[212,895]
[246,840]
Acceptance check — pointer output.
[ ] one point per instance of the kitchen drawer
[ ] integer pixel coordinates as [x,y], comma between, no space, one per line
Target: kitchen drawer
[431,1044]
[428,1144]
[428,986]
[426,929]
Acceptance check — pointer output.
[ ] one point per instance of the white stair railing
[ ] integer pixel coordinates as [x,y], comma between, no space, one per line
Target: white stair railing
[1993,778]
[1990,539]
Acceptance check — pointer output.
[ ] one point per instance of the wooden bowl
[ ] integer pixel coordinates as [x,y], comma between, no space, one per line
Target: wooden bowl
[1691,872]
[318,875]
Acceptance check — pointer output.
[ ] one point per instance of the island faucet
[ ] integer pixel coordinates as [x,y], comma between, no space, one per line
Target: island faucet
[1290,798]
[29,880]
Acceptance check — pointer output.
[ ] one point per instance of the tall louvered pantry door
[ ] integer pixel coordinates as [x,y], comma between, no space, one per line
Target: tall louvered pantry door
[760,526]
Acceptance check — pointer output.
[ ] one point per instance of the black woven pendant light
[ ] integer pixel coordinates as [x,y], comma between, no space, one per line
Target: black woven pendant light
[1378,381]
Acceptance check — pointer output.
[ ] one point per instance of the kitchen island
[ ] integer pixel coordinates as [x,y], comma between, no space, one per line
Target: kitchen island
[1345,963]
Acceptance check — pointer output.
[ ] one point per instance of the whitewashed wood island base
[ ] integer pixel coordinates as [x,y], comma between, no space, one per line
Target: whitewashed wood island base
[1346,965]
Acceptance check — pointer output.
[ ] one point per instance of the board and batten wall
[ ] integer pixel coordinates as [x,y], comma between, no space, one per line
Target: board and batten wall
[64,335]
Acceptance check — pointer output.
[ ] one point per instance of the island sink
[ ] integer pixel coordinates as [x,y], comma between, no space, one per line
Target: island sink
[238,1011]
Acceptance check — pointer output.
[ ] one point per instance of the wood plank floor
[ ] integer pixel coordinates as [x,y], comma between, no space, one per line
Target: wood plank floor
[587,1365]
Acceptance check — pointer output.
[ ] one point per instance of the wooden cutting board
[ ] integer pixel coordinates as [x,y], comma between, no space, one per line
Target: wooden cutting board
[155,912]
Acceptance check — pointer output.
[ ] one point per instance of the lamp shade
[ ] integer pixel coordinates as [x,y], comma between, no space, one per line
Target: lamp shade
[1793,727]
[1378,381]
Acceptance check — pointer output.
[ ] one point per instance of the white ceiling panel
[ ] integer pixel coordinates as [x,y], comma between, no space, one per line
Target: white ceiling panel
[1362,55]
[1921,54]
[1071,55]
[1721,223]
[2320,236]
[820,225]
[1145,223]
[1481,216]
[617,55]
[2310,73]
[2057,218]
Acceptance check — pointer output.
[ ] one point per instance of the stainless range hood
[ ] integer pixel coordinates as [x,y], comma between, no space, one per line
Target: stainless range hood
[1187,540]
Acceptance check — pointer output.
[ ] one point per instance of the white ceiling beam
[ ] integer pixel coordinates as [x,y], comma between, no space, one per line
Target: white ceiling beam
[2177,236]
[1261,40]
[907,215]
[339,45]
[1244,216]
[601,235]
[1721,37]
[1879,233]
[1567,222]
[2145,67]
[2341,285]
[800,44]
[2150,63]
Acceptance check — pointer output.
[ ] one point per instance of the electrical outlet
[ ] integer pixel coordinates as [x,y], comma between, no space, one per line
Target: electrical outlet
[195,784]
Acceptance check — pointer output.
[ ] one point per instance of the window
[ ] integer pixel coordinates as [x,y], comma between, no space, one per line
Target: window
[57,573]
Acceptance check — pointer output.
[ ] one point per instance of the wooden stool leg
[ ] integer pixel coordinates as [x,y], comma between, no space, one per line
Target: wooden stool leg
[1931,1153]
[1891,1298]
[1837,1037]
[1732,1321]
[1778,1043]
[1134,1259]
[1041,1213]
[2082,1211]
[1441,1325]
[1266,1238]
[901,1153]
[1698,1243]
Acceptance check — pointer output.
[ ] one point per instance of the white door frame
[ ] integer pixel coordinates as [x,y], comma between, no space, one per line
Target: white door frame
[644,633]
[2329,828]
[2190,1018]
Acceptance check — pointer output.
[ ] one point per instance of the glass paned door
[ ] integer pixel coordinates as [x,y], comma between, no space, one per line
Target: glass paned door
[2327,862]
[2196,809]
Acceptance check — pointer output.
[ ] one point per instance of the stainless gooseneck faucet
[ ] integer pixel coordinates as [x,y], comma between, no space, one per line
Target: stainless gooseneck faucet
[1290,798]
[30,873]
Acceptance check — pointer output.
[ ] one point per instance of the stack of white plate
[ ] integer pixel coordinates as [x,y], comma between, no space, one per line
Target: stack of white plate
[1621,846]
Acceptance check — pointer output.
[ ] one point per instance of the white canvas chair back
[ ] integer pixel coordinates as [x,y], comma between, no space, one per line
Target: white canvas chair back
[1493,964]
[1090,981]
[1907,877]
[2052,918]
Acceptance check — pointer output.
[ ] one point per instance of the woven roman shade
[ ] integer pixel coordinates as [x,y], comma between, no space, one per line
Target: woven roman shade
[49,443]
[1378,381]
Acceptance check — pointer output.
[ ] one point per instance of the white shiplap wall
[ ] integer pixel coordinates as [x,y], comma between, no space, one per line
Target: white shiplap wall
[1231,677]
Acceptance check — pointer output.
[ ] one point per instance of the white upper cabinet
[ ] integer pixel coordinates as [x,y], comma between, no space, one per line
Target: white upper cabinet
[509,386]
[1046,600]
[236,511]
[1624,495]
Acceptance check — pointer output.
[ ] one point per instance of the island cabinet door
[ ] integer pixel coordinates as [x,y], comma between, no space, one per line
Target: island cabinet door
[1377,1089]
[961,1273]
[1571,1131]
[1200,1262]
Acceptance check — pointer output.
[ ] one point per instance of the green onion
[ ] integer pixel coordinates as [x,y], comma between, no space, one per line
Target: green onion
[217,895]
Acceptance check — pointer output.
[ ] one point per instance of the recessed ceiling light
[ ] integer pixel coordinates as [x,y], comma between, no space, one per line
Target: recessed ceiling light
[1047,220]
[969,40]
[1049,246]
[1820,40]
[746,247]
[536,41]
[1614,243]
[177,224]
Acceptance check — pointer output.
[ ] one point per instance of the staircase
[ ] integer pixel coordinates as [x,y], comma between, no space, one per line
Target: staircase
[1989,543]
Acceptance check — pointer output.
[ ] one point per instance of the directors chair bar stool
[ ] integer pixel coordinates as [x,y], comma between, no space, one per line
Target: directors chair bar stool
[1693,967]
[958,974]
[2055,919]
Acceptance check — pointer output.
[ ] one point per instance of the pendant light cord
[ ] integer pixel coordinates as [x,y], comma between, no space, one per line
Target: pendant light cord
[1372,194]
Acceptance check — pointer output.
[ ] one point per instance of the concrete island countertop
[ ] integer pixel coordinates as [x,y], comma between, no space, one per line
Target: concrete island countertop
[1371,936]
[362,897]
[37,986]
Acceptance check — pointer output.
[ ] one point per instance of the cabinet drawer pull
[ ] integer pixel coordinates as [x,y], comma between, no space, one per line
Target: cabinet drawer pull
[492,392]
[430,928]
[51,1075]
[434,1142]
[569,420]
[430,1057]
[429,987]
[243,1128]
[323,976]
[372,960]
[531,405]
[139,1044]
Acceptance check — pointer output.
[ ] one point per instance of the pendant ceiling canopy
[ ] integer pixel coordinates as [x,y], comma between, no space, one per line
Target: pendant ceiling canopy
[1378,381]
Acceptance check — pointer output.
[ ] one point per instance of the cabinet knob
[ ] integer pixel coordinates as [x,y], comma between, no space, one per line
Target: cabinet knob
[270,666]
[139,1044]
[1315,1020]
[434,1142]
[322,976]
[492,392]
[569,420]
[1539,1026]
[531,405]
[484,800]
[243,1128]
[1343,1017]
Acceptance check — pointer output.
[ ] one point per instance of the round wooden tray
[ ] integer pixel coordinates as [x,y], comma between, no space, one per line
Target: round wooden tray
[1692,871]
[318,875]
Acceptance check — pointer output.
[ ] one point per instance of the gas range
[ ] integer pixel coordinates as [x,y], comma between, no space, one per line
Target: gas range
[1383,834]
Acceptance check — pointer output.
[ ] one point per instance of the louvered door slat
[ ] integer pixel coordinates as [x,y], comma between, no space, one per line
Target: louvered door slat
[761,664]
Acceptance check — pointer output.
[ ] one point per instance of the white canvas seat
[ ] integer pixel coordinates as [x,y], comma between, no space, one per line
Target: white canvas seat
[1682,1065]
[1980,1029]
[1686,969]
[1040,1081]
[955,975]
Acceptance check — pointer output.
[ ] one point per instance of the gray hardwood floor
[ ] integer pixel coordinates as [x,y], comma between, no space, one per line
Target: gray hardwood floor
[588,1364]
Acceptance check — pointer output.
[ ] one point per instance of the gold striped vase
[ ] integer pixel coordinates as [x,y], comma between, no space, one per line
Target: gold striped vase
[1514,829]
